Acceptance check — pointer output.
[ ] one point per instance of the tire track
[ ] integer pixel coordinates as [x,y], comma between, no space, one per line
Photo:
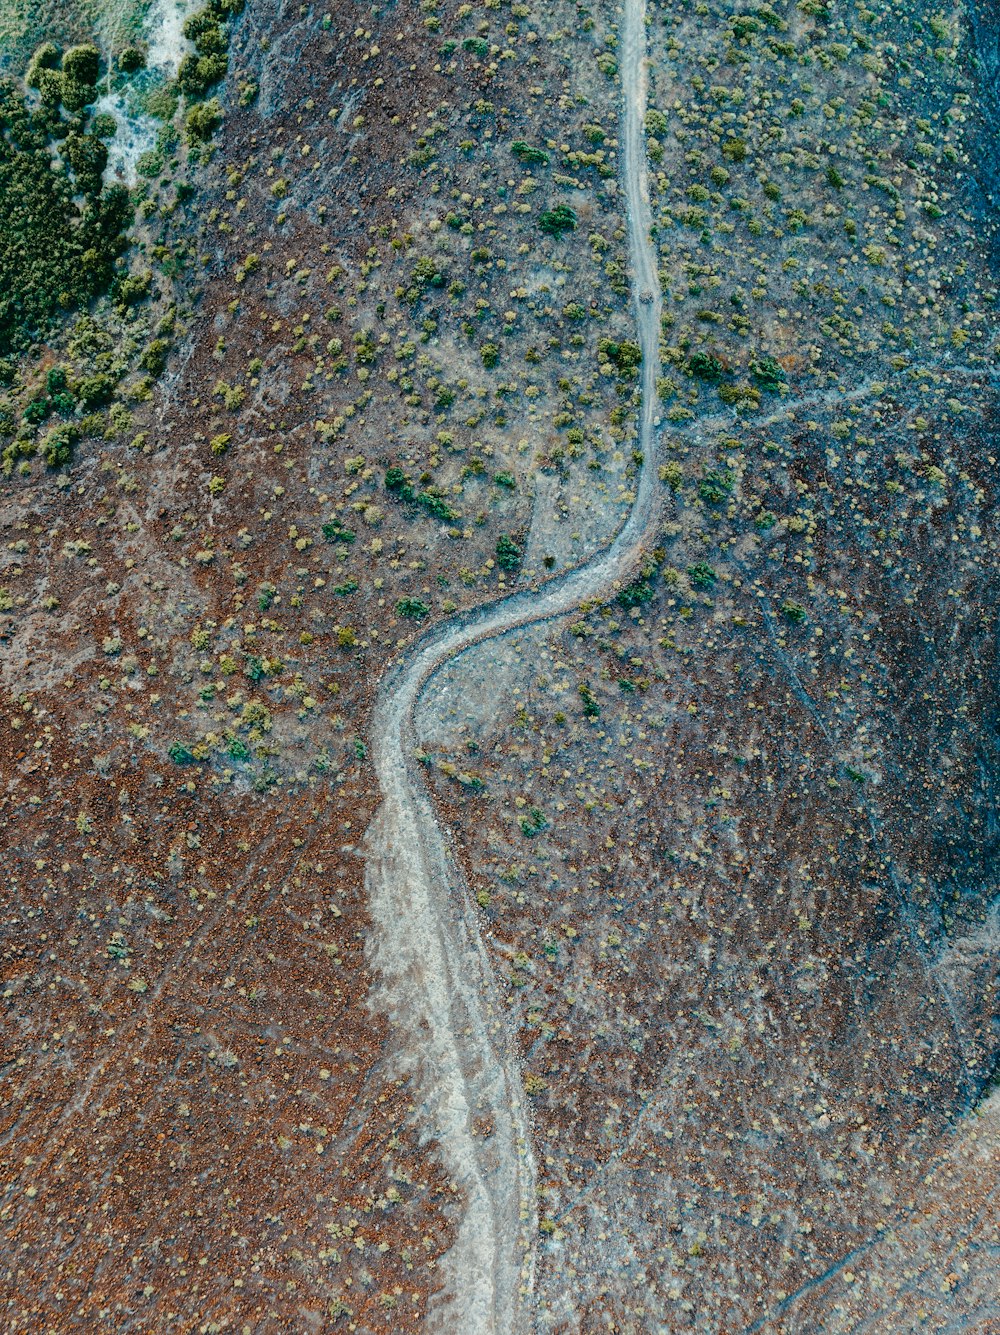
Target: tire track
[437,985]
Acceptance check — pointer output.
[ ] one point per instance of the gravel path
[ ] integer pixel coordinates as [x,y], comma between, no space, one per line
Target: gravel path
[436,981]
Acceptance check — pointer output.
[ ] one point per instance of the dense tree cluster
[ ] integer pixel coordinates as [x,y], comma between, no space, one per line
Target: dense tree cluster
[60,229]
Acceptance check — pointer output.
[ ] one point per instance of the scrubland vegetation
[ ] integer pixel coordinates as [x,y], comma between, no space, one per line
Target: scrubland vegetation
[353,356]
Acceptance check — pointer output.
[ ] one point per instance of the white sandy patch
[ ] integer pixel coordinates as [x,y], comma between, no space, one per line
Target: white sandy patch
[136,134]
[167,44]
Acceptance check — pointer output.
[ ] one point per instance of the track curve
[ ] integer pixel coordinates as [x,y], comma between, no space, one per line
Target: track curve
[437,984]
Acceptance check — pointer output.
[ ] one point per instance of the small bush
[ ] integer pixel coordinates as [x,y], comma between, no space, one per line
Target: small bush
[57,447]
[508,553]
[706,366]
[526,153]
[636,594]
[533,823]
[590,706]
[553,222]
[203,120]
[701,575]
[715,486]
[130,59]
[768,374]
[334,531]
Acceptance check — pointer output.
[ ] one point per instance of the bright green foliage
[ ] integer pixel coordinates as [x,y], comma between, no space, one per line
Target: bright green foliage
[413,608]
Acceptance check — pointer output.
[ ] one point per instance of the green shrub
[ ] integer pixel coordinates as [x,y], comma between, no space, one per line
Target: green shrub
[88,157]
[397,481]
[134,288]
[204,29]
[131,59]
[715,486]
[553,222]
[636,594]
[533,823]
[104,126]
[94,390]
[768,374]
[154,359]
[508,553]
[82,64]
[412,608]
[51,86]
[46,57]
[334,531]
[734,149]
[526,153]
[196,76]
[57,447]
[701,575]
[590,706]
[706,366]
[426,273]
[436,506]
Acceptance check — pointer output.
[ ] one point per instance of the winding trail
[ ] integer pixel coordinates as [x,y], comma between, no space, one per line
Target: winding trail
[437,985]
